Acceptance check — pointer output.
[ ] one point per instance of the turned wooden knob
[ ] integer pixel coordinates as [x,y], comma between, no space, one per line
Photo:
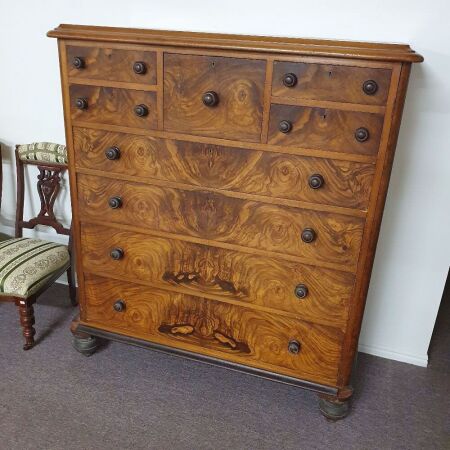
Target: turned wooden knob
[285,126]
[301,291]
[362,134]
[290,80]
[370,87]
[119,306]
[78,62]
[316,181]
[139,67]
[112,153]
[210,98]
[294,347]
[117,253]
[115,202]
[81,103]
[308,235]
[141,110]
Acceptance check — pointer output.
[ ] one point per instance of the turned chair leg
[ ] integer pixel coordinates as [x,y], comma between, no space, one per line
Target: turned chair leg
[26,313]
[72,287]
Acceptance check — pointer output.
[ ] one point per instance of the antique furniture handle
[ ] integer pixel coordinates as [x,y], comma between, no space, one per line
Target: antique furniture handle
[139,68]
[81,103]
[115,202]
[112,153]
[362,134]
[290,80]
[308,235]
[141,110]
[119,306]
[285,126]
[316,181]
[301,291]
[117,253]
[370,87]
[294,347]
[78,63]
[210,98]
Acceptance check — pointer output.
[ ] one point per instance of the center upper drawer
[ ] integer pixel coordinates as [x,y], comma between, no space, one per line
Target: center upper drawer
[214,96]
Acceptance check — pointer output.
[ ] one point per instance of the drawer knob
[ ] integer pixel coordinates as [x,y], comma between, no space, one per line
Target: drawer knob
[115,202]
[294,347]
[81,103]
[362,134]
[370,87]
[119,306]
[301,291]
[140,68]
[78,63]
[117,253]
[285,126]
[112,153]
[210,98]
[316,181]
[308,235]
[141,110]
[290,80]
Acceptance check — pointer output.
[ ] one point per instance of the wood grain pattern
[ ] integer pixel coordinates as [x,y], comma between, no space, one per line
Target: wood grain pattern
[216,217]
[239,84]
[113,106]
[330,82]
[233,332]
[326,129]
[111,64]
[219,273]
[235,169]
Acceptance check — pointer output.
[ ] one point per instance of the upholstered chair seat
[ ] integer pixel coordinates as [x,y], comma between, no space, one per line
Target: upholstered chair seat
[45,152]
[28,264]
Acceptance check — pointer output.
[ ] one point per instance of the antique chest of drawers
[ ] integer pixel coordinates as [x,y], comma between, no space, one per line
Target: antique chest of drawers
[227,194]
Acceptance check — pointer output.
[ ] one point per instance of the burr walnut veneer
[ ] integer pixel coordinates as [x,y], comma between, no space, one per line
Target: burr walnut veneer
[227,194]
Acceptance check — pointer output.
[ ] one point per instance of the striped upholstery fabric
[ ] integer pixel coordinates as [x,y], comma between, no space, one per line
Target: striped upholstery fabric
[26,264]
[45,152]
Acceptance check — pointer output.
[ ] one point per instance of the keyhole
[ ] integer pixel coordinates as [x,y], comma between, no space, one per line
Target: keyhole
[330,74]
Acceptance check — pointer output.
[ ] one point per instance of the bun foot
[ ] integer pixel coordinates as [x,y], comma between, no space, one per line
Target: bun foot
[86,345]
[334,409]
[28,346]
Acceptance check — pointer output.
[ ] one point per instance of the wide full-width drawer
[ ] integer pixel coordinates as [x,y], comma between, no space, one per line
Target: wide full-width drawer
[214,96]
[113,106]
[318,236]
[339,83]
[325,129]
[312,293]
[287,176]
[235,333]
[113,64]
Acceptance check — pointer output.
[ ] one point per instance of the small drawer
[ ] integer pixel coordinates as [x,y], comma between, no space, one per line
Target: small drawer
[318,236]
[214,96]
[278,175]
[209,327]
[325,129]
[315,294]
[113,106]
[331,82]
[112,64]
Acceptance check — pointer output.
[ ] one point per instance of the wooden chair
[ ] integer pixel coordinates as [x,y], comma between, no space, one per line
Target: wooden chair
[29,266]
[2,235]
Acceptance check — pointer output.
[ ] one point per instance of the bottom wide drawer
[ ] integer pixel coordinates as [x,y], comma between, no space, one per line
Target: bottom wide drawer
[234,333]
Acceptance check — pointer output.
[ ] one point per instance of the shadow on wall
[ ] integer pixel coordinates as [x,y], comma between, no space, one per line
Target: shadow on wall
[32,201]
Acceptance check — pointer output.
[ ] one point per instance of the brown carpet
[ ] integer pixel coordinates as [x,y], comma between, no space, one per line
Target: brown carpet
[129,398]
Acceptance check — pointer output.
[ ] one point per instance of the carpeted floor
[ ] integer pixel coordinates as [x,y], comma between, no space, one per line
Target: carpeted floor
[129,398]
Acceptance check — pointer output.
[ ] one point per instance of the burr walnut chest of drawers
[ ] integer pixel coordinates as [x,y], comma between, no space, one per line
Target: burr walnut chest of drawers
[227,194]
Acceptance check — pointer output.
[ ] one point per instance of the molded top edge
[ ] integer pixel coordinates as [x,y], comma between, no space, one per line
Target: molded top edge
[280,45]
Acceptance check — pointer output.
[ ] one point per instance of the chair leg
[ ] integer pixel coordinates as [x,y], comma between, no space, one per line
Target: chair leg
[72,287]
[26,313]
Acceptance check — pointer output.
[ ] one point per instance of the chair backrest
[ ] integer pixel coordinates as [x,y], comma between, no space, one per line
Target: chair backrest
[51,161]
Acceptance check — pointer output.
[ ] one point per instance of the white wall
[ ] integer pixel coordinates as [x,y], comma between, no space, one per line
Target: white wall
[414,248]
